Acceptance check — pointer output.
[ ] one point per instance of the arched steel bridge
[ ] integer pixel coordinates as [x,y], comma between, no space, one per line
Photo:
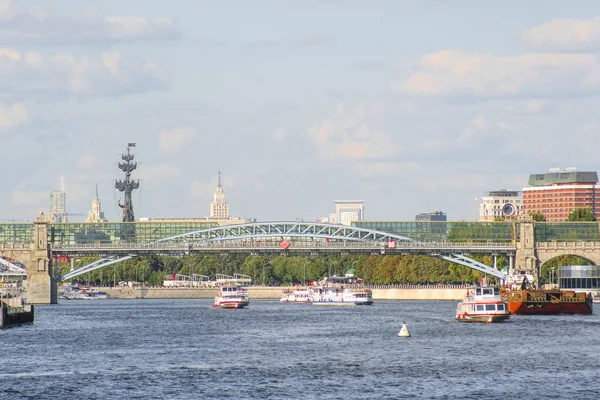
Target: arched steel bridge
[299,238]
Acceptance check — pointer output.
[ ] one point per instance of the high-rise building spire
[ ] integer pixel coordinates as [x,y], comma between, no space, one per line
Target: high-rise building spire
[219,208]
[96,214]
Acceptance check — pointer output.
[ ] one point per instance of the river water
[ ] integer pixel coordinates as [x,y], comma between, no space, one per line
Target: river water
[185,349]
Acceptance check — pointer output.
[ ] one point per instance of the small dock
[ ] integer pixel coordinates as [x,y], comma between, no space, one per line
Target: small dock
[13,313]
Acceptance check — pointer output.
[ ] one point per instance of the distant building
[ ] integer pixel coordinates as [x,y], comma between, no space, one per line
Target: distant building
[431,216]
[557,193]
[96,214]
[348,211]
[219,212]
[219,208]
[501,204]
[58,204]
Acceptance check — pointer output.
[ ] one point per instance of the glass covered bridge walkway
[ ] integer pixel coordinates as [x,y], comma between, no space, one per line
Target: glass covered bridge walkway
[297,238]
[438,239]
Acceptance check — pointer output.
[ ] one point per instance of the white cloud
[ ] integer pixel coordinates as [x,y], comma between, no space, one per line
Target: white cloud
[21,195]
[353,132]
[475,126]
[590,127]
[39,25]
[86,160]
[201,190]
[173,140]
[279,135]
[565,35]
[452,72]
[13,116]
[102,75]
[157,173]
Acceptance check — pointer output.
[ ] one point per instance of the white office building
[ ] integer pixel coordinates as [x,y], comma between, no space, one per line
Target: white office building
[348,211]
[500,205]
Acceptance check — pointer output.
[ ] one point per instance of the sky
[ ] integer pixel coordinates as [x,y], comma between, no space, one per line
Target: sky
[411,106]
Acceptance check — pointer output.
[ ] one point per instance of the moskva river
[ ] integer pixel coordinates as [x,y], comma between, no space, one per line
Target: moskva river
[185,349]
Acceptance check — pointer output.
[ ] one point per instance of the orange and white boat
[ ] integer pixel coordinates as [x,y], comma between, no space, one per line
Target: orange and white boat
[482,304]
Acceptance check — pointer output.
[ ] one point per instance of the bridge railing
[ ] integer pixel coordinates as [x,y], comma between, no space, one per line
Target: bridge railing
[567,245]
[307,245]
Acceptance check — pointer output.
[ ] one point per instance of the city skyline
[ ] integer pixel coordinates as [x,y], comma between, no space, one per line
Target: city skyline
[408,106]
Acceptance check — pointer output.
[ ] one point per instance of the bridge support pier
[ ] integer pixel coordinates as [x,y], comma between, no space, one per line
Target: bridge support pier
[41,285]
[526,257]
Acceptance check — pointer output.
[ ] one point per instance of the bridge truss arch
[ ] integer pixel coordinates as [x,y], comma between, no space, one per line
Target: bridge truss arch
[314,230]
[271,237]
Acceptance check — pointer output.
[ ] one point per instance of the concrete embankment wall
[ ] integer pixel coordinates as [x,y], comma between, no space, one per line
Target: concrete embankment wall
[256,292]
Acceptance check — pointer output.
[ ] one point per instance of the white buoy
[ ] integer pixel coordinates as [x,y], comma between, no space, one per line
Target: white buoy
[404,331]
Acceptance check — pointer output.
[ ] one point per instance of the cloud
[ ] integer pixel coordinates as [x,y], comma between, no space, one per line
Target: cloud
[590,127]
[453,72]
[103,75]
[13,116]
[173,140]
[565,35]
[157,173]
[21,195]
[353,132]
[279,135]
[475,126]
[201,190]
[302,41]
[39,25]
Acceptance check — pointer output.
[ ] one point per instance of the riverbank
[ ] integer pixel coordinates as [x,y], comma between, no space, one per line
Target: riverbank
[275,292]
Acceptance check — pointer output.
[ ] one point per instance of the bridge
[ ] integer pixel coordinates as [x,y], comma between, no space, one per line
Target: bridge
[525,244]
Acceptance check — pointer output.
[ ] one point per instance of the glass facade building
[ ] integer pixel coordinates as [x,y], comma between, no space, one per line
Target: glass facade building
[579,277]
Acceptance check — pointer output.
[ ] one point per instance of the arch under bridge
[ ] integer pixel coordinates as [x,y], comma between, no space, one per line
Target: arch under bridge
[298,238]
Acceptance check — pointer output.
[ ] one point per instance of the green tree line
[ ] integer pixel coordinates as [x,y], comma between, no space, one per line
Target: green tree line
[284,270]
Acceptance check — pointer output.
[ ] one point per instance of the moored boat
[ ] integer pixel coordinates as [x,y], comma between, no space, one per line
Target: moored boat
[340,291]
[482,304]
[295,296]
[526,301]
[231,296]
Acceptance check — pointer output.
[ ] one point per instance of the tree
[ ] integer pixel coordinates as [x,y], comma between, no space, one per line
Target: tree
[582,214]
[537,216]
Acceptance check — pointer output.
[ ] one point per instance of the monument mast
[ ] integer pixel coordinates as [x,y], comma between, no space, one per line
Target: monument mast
[127,185]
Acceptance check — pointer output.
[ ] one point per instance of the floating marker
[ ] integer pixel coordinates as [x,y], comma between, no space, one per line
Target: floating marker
[404,331]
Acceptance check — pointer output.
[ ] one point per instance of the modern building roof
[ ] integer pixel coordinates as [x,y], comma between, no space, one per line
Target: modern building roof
[503,193]
[563,177]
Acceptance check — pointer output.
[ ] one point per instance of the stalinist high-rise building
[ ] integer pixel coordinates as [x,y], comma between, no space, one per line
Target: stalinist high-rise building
[96,214]
[219,208]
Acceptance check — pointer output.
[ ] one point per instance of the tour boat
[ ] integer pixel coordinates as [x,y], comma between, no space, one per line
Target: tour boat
[295,296]
[231,296]
[482,304]
[340,291]
[81,293]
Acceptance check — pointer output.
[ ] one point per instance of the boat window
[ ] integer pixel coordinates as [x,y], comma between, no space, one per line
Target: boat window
[500,307]
[497,291]
[490,307]
[488,291]
[479,307]
[478,291]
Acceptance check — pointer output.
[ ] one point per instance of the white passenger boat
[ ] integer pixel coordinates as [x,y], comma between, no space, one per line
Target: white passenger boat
[295,296]
[231,296]
[81,293]
[482,304]
[340,291]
